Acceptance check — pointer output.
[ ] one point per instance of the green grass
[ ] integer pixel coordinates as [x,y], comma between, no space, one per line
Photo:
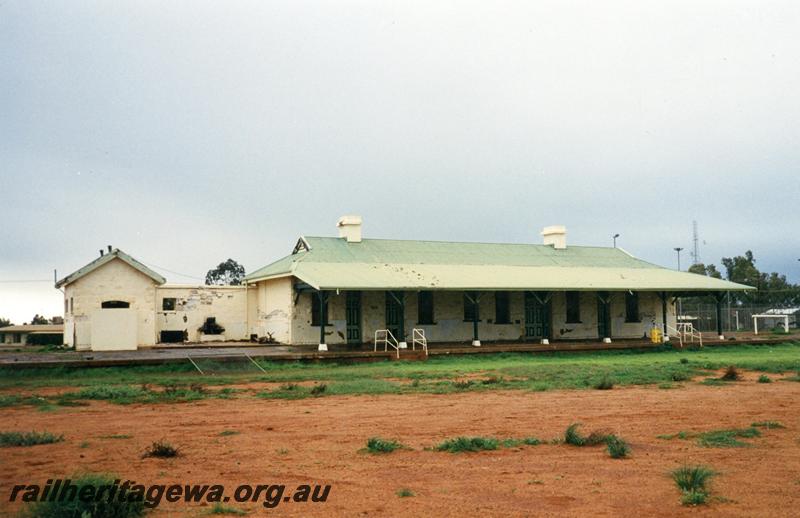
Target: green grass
[764,379]
[378,445]
[8,439]
[504,371]
[726,438]
[226,433]
[617,448]
[468,444]
[767,424]
[78,508]
[693,482]
[220,508]
[116,436]
[404,492]
[573,436]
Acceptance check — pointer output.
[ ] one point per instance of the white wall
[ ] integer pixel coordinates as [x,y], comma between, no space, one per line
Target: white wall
[194,304]
[115,280]
[274,309]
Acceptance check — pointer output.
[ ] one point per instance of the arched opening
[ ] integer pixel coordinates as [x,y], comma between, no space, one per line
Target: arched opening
[115,304]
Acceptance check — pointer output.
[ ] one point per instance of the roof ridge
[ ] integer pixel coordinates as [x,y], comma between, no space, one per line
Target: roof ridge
[465,242]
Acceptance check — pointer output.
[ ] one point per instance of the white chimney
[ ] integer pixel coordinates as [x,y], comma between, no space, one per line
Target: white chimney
[350,228]
[555,235]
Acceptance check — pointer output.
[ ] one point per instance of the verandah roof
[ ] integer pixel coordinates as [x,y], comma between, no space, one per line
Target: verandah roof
[377,264]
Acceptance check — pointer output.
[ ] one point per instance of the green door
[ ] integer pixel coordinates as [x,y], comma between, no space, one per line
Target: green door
[394,314]
[353,315]
[537,315]
[603,315]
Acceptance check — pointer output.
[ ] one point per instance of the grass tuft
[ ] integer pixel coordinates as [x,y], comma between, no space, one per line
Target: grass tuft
[574,437]
[8,439]
[226,433]
[693,482]
[113,507]
[731,374]
[471,444]
[604,384]
[764,379]
[617,447]
[378,445]
[462,384]
[727,438]
[404,493]
[161,449]
[318,390]
[220,508]
[767,424]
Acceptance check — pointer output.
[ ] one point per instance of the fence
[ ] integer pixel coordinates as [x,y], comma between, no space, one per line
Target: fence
[734,317]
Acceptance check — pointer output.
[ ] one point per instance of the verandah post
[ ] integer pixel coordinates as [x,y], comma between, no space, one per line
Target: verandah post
[718,299]
[322,345]
[665,335]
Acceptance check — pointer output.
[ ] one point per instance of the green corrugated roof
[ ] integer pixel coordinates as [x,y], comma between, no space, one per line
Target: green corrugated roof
[374,264]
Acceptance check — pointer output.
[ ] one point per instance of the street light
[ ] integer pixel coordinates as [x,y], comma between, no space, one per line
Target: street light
[615,236]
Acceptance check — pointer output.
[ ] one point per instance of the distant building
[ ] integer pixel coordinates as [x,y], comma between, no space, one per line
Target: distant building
[51,334]
[779,320]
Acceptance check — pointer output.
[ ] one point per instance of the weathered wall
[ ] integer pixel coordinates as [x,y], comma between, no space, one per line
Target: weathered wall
[228,304]
[115,280]
[274,309]
[449,317]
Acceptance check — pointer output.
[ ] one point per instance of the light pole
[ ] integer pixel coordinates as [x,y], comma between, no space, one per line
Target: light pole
[680,309]
[615,236]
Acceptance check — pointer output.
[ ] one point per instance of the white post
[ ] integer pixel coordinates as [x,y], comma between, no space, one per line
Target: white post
[755,324]
[786,322]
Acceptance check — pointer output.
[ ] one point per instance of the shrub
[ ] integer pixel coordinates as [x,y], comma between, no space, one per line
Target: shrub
[319,389]
[731,374]
[462,444]
[617,448]
[604,384]
[28,438]
[161,449]
[378,445]
[684,360]
[680,376]
[115,508]
[764,379]
[405,492]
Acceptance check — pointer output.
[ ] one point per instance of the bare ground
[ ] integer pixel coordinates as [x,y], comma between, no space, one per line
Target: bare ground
[318,440]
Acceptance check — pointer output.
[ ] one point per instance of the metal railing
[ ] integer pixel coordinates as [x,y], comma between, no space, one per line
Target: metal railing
[418,337]
[387,338]
[672,331]
[689,333]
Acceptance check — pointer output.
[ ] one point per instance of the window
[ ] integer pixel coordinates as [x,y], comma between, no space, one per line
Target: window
[573,307]
[66,306]
[315,309]
[470,309]
[632,307]
[502,310]
[168,304]
[425,307]
[115,304]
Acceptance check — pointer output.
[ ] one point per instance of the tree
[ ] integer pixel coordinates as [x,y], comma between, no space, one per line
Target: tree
[708,270]
[4,322]
[39,320]
[228,273]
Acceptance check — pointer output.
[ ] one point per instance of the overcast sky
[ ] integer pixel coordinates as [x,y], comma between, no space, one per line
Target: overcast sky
[188,132]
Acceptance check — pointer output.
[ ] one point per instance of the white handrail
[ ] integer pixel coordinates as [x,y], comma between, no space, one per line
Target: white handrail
[672,331]
[687,330]
[388,339]
[418,337]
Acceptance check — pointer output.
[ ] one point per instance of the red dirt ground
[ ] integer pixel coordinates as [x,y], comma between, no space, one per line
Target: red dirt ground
[316,441]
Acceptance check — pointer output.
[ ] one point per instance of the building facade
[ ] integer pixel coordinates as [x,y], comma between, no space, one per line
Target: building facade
[341,290]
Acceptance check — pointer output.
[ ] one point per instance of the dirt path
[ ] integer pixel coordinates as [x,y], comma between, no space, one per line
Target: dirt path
[317,441]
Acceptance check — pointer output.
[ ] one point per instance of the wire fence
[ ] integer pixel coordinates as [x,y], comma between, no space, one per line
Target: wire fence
[735,317]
